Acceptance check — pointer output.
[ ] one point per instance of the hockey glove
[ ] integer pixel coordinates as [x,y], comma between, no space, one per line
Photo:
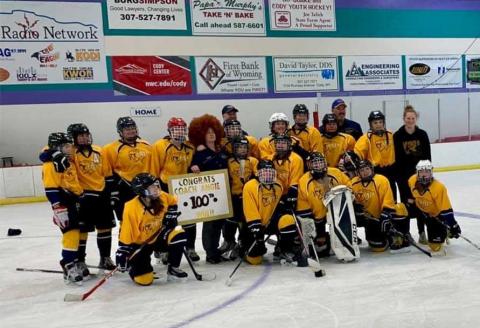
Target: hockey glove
[60,216]
[60,161]
[257,230]
[454,229]
[170,220]
[291,198]
[122,255]
[386,222]
[114,198]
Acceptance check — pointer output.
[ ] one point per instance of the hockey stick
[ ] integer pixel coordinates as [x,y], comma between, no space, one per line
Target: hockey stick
[84,296]
[461,236]
[410,239]
[228,282]
[314,265]
[208,276]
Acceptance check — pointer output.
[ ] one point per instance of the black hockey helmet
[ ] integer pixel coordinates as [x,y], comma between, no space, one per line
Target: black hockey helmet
[57,139]
[329,118]
[376,115]
[241,147]
[75,129]
[141,182]
[125,122]
[365,163]
[300,109]
[265,164]
[231,123]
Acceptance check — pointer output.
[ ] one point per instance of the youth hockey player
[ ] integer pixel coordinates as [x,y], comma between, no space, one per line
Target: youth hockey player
[309,138]
[173,155]
[63,191]
[348,163]
[233,130]
[127,157]
[432,200]
[334,143]
[278,124]
[150,219]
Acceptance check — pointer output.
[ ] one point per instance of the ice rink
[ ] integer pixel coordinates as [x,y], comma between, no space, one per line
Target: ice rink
[380,290]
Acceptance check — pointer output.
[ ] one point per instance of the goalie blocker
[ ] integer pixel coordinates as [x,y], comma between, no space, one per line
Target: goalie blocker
[342,222]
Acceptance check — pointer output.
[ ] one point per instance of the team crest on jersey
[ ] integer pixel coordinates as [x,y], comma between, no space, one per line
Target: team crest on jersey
[381,145]
[152,225]
[268,199]
[137,156]
[179,158]
[411,147]
[363,196]
[87,167]
[282,174]
[423,203]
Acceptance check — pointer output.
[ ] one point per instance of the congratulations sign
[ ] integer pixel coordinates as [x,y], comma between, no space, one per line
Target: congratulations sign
[202,197]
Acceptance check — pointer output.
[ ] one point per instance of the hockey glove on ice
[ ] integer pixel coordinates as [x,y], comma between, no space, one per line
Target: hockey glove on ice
[60,216]
[257,230]
[122,255]
[454,229]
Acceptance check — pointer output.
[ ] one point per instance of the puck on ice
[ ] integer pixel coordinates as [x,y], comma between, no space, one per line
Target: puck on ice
[13,232]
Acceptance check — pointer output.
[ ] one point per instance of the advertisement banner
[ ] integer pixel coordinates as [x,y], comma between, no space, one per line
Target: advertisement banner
[202,196]
[147,14]
[151,75]
[303,74]
[42,43]
[231,75]
[472,63]
[372,73]
[305,15]
[228,17]
[431,72]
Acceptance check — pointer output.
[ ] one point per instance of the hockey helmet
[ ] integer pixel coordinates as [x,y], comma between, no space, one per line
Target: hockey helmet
[141,184]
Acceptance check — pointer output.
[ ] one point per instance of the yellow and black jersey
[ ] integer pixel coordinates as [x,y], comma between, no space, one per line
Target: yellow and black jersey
[312,191]
[169,160]
[433,200]
[138,224]
[91,167]
[128,160]
[379,150]
[266,146]
[309,139]
[375,195]
[259,202]
[58,184]
[252,146]
[335,147]
[289,171]
[240,174]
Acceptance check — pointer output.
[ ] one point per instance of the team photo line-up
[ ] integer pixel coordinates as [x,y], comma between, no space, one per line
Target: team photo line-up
[290,184]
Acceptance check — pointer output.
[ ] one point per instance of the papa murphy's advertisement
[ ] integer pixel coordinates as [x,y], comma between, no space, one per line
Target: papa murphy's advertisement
[151,75]
[228,17]
[231,75]
[430,72]
[41,43]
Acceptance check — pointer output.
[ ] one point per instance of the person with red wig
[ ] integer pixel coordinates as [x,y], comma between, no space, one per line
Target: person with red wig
[205,133]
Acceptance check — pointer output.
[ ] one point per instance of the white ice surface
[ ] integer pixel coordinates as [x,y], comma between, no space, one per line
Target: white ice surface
[381,290]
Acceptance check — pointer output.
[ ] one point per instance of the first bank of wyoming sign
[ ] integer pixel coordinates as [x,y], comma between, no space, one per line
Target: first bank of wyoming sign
[71,37]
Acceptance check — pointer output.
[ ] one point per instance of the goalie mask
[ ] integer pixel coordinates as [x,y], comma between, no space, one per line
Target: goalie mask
[177,129]
[267,174]
[240,148]
[365,170]
[233,129]
[300,115]
[283,146]
[317,165]
[376,120]
[424,172]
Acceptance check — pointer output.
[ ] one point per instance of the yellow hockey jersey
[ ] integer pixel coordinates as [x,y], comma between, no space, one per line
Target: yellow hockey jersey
[309,139]
[252,144]
[433,200]
[92,168]
[289,171]
[138,224]
[238,175]
[312,191]
[169,160]
[128,160]
[259,203]
[55,182]
[375,195]
[335,147]
[379,150]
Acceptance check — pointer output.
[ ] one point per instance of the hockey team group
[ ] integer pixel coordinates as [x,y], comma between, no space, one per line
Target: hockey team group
[303,189]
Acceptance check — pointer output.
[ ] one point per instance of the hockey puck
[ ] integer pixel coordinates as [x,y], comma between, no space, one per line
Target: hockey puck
[320,273]
[13,232]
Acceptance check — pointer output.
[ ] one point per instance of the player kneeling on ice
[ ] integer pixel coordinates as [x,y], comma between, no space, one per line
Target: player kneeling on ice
[385,222]
[151,218]
[432,200]
[311,212]
[263,216]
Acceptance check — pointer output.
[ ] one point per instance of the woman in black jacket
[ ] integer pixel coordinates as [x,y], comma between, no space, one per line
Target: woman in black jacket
[411,145]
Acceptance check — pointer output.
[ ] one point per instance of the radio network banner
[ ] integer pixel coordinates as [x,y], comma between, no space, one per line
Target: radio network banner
[432,72]
[372,73]
[472,63]
[302,74]
[306,15]
[147,14]
[202,196]
[231,75]
[151,75]
[42,43]
[228,17]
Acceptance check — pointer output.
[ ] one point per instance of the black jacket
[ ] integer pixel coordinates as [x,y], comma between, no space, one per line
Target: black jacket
[409,149]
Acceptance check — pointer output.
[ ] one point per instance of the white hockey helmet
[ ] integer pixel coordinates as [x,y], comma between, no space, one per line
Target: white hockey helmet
[424,165]
[424,172]
[278,117]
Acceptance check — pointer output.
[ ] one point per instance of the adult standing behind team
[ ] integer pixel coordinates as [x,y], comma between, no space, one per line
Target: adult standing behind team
[411,146]
[344,124]
[229,112]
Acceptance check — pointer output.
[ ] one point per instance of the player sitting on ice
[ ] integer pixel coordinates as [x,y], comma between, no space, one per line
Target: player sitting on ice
[312,187]
[263,216]
[63,191]
[432,200]
[150,219]
[375,208]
